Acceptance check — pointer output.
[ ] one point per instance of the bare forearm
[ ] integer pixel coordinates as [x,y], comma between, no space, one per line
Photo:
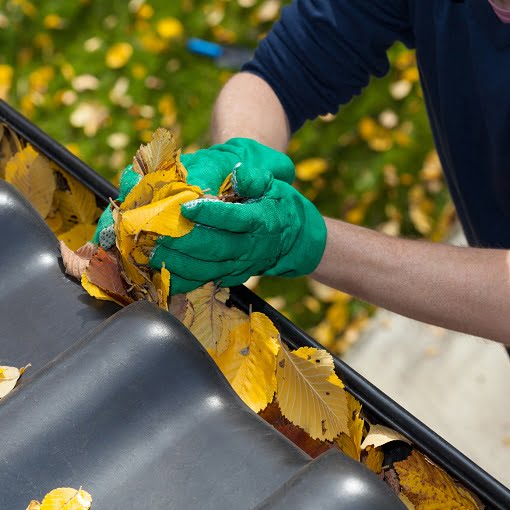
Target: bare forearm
[464,289]
[247,107]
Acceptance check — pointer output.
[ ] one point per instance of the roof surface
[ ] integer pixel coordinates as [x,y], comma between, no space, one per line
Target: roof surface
[127,403]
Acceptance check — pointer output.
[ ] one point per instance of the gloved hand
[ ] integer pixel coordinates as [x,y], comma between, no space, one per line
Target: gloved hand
[208,169]
[280,233]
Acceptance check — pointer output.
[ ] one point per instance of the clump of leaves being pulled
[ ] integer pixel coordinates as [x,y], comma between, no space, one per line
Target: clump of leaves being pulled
[298,392]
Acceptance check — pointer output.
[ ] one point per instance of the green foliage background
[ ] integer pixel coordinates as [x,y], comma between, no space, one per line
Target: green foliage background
[372,164]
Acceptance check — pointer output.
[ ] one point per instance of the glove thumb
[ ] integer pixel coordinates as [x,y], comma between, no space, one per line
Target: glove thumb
[251,182]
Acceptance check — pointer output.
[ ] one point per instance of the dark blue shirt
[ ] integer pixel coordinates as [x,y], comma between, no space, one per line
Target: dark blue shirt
[323,52]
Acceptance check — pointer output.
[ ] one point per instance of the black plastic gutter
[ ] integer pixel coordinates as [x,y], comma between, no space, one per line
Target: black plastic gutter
[378,405]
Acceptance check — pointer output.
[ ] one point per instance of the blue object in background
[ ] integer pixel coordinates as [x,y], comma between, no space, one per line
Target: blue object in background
[231,57]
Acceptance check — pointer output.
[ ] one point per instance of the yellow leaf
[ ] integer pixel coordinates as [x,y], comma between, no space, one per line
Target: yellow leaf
[310,169]
[163,217]
[31,173]
[226,186]
[161,281]
[170,28]
[34,505]
[249,362]
[406,501]
[159,154]
[6,73]
[379,435]
[210,319]
[95,291]
[307,398]
[350,443]
[150,186]
[77,236]
[10,144]
[76,204]
[8,378]
[118,55]
[374,459]
[428,487]
[55,222]
[66,498]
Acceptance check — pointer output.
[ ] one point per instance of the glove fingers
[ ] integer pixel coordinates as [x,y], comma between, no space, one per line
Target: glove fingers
[207,169]
[234,281]
[234,217]
[265,158]
[191,268]
[180,285]
[128,180]
[206,243]
[251,182]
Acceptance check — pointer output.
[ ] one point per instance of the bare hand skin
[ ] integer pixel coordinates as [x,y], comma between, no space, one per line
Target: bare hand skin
[247,107]
[463,289]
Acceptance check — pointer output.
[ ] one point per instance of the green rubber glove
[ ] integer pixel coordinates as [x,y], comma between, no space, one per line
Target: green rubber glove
[208,168]
[280,233]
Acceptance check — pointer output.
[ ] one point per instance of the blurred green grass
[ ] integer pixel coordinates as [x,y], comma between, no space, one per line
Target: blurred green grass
[100,77]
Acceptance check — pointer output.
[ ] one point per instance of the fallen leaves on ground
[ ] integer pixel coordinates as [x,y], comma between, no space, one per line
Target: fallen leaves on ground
[64,498]
[8,379]
[428,486]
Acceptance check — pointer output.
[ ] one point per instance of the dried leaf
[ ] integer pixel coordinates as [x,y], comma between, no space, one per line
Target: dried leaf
[159,154]
[31,173]
[75,265]
[374,459]
[66,498]
[95,291]
[297,435]
[226,188]
[307,398]
[163,217]
[104,272]
[78,235]
[143,193]
[379,435]
[55,222]
[34,505]
[161,281]
[406,501]
[179,307]
[350,443]
[10,144]
[428,486]
[8,378]
[76,203]
[210,319]
[249,362]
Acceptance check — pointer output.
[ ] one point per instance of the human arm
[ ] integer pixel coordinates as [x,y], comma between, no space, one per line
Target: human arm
[463,289]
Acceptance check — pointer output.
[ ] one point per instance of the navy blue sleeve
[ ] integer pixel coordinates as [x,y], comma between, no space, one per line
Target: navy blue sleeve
[322,52]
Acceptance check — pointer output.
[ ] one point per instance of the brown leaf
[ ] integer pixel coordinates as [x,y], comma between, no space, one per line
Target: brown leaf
[391,478]
[178,306]
[159,154]
[297,435]
[104,272]
[74,263]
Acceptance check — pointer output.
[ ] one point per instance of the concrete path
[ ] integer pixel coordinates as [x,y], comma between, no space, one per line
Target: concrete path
[456,384]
